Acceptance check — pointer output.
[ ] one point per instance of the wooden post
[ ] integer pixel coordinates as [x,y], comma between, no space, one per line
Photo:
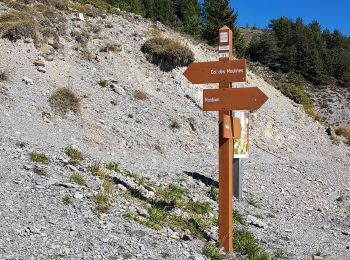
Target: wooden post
[225,155]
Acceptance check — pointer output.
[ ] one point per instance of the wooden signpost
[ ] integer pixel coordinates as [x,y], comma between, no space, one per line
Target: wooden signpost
[225,71]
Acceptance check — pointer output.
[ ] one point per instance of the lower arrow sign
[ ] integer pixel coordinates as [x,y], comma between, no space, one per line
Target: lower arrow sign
[233,99]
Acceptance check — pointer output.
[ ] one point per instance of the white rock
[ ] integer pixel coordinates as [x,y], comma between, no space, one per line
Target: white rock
[256,222]
[28,81]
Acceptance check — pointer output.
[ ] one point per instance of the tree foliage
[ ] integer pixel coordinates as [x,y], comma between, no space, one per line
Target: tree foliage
[292,46]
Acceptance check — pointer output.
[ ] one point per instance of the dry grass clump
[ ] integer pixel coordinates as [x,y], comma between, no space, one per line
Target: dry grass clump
[3,76]
[15,25]
[38,21]
[63,100]
[167,53]
[344,130]
[140,95]
[112,47]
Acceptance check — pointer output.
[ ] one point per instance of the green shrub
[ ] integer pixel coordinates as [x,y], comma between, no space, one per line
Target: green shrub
[63,100]
[167,53]
[39,158]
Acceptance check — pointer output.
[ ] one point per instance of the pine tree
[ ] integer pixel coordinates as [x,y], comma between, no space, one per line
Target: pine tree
[192,23]
[218,13]
[149,8]
[164,12]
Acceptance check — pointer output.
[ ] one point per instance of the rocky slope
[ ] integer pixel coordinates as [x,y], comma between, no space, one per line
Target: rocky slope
[296,177]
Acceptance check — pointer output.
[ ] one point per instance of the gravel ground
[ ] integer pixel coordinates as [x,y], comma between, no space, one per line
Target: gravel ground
[298,177]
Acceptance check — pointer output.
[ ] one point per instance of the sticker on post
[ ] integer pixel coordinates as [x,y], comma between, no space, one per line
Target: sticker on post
[224,55]
[224,37]
[241,145]
[224,47]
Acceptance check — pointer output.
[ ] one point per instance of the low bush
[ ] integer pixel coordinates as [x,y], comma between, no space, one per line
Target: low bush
[167,53]
[15,25]
[63,100]
[344,130]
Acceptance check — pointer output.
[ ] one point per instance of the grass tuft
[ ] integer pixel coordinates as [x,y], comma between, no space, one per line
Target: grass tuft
[113,167]
[67,200]
[213,193]
[39,171]
[107,186]
[102,202]
[39,158]
[173,194]
[63,100]
[211,251]
[78,179]
[252,202]
[237,217]
[199,207]
[279,254]
[245,243]
[167,53]
[75,156]
[175,124]
[103,83]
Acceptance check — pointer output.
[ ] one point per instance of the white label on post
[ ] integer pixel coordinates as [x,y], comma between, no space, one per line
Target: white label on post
[224,48]
[224,55]
[224,37]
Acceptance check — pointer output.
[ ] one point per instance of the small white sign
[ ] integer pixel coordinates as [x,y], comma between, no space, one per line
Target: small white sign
[224,47]
[224,37]
[224,55]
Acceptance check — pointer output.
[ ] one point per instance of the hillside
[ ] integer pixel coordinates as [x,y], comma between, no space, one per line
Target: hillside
[296,181]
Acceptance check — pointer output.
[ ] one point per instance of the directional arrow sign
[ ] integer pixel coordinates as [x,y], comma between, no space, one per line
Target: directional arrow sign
[233,99]
[217,71]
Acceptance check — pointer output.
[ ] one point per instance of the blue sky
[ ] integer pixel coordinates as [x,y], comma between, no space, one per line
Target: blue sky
[331,14]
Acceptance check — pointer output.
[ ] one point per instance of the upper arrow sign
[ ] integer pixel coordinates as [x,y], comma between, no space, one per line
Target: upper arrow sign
[224,99]
[217,71]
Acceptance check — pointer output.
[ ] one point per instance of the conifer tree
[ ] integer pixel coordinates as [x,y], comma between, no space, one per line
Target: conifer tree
[164,12]
[192,23]
[218,13]
[149,8]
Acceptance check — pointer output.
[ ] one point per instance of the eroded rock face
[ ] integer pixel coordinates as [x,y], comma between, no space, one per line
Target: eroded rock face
[295,173]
